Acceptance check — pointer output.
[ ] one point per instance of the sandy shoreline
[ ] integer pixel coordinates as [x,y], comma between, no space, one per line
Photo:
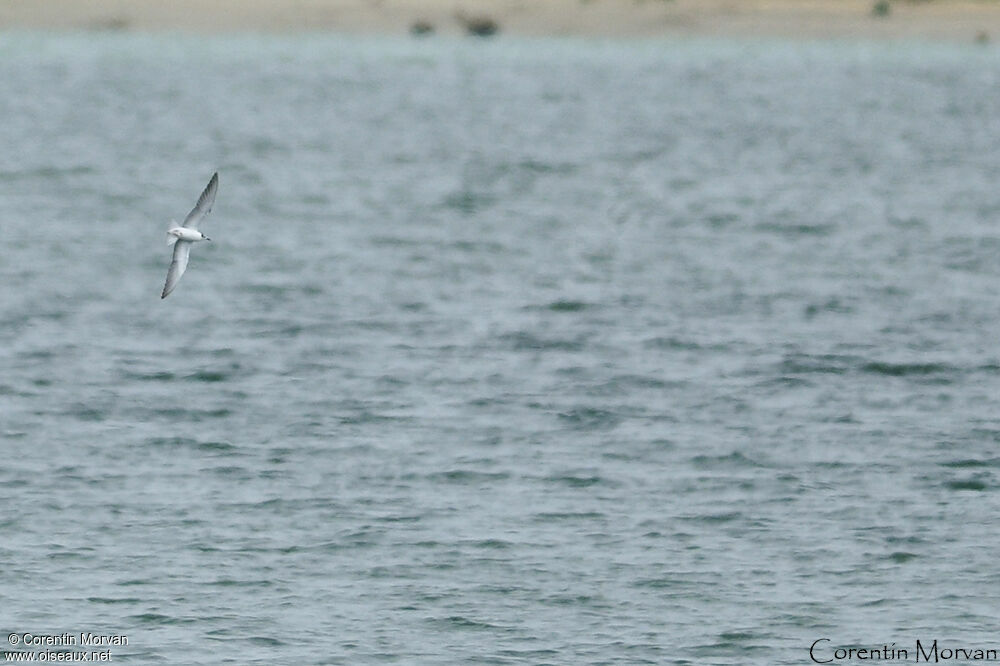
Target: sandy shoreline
[950,20]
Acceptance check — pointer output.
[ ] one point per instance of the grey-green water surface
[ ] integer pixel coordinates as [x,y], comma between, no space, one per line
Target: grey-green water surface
[503,352]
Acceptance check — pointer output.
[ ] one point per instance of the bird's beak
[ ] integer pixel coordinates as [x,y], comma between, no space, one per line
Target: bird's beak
[207,238]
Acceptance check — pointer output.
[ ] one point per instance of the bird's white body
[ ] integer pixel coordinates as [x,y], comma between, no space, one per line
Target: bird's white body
[183,236]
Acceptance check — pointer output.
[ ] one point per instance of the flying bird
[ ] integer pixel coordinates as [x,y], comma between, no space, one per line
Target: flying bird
[184,236]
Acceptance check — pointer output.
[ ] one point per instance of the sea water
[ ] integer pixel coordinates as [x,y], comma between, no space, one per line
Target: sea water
[506,352]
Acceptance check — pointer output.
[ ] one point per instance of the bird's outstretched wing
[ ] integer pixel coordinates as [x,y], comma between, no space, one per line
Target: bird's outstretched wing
[182,250]
[204,205]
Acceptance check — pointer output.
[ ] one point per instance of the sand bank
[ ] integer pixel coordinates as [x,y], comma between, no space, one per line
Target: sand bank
[961,20]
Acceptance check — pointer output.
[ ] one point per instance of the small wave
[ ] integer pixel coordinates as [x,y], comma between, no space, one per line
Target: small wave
[265,641]
[87,413]
[590,418]
[157,618]
[393,241]
[406,518]
[966,484]
[797,229]
[232,582]
[468,202]
[576,481]
[179,413]
[905,369]
[479,246]
[820,363]
[836,364]
[209,376]
[831,305]
[558,516]
[715,518]
[730,460]
[462,476]
[161,376]
[568,306]
[233,471]
[561,168]
[664,583]
[524,341]
[47,173]
[971,463]
[490,544]
[901,557]
[190,443]
[679,344]
[462,622]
